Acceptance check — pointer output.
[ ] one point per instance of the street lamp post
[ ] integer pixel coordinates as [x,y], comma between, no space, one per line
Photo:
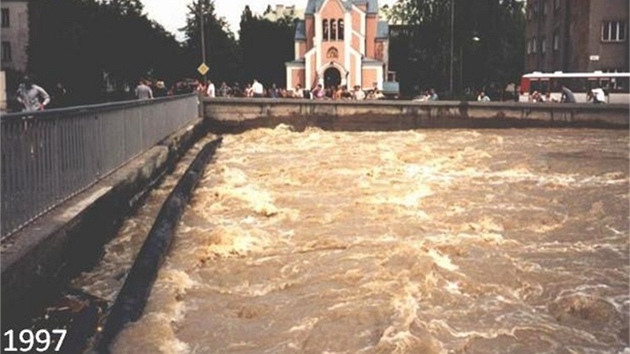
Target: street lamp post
[474,39]
[203,41]
[450,86]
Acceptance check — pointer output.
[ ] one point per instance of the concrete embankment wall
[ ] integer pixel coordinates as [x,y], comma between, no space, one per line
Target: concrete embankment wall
[38,260]
[232,115]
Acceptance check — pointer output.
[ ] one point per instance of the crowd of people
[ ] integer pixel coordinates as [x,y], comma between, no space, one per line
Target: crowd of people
[594,95]
[32,97]
[429,95]
[256,89]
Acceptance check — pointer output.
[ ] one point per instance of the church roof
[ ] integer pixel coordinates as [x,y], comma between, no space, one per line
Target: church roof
[372,5]
[382,31]
[300,30]
[314,6]
[297,62]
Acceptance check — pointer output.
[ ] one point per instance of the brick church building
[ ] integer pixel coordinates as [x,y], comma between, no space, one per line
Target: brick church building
[340,42]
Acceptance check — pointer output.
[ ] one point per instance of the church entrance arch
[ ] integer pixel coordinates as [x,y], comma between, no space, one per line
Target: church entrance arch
[332,77]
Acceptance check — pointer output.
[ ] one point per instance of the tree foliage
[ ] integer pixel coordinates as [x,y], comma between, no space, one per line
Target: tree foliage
[266,45]
[487,43]
[86,44]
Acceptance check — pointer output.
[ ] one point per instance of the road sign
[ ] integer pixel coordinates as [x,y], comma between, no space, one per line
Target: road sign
[203,68]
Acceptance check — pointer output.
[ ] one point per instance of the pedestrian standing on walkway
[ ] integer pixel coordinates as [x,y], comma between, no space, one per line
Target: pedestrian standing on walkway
[298,92]
[237,91]
[143,91]
[482,97]
[58,96]
[31,96]
[433,96]
[319,93]
[274,92]
[248,91]
[225,90]
[597,95]
[258,89]
[358,93]
[160,89]
[567,95]
[210,91]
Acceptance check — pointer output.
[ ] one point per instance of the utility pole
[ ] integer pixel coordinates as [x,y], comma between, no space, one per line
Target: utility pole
[452,44]
[203,41]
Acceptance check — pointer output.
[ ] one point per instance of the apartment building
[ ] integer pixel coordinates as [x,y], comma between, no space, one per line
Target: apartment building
[14,41]
[576,35]
[14,33]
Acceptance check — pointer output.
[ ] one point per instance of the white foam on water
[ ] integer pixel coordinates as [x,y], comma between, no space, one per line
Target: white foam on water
[453,288]
[161,339]
[442,261]
[405,307]
[305,325]
[442,325]
[233,240]
[395,232]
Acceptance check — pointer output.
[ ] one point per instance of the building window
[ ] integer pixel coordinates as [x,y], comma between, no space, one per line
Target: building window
[545,7]
[614,31]
[333,30]
[543,45]
[556,41]
[5,18]
[556,4]
[529,46]
[534,45]
[325,27]
[6,51]
[332,53]
[340,25]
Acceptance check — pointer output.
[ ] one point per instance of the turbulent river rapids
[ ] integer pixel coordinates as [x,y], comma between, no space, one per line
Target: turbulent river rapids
[426,241]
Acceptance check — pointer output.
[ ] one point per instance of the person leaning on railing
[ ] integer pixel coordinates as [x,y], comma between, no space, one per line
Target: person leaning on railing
[31,96]
[143,91]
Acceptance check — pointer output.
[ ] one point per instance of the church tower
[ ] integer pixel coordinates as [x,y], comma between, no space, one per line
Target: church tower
[340,42]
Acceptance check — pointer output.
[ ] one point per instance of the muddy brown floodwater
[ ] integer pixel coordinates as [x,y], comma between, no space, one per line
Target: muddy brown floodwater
[427,241]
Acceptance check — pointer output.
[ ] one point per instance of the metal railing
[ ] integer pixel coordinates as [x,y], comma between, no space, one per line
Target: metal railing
[50,156]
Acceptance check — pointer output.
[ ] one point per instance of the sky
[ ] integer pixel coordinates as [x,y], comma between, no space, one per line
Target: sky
[171,14]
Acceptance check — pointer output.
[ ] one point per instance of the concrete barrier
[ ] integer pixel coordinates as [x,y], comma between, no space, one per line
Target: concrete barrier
[233,115]
[38,260]
[133,296]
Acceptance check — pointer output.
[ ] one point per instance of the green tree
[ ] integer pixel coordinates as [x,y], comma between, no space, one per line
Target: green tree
[87,44]
[487,44]
[126,6]
[266,45]
[62,46]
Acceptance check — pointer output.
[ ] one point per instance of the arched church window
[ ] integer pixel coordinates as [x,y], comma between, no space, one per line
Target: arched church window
[325,26]
[340,25]
[333,30]
[332,53]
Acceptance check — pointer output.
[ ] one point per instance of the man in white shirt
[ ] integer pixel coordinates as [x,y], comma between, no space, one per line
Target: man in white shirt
[598,95]
[258,89]
[482,97]
[358,93]
[210,92]
[31,96]
[143,91]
